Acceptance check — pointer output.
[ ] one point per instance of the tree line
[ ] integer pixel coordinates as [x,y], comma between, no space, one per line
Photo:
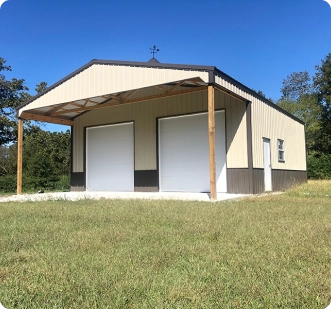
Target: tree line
[46,155]
[309,99]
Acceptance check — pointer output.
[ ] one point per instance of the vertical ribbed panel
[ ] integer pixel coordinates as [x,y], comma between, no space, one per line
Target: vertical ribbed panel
[268,122]
[236,132]
[106,79]
[144,115]
[273,124]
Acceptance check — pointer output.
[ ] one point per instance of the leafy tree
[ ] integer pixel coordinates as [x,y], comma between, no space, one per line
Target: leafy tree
[12,94]
[46,157]
[322,83]
[296,85]
[46,162]
[41,87]
[307,109]
[260,92]
[300,100]
[309,99]
[8,160]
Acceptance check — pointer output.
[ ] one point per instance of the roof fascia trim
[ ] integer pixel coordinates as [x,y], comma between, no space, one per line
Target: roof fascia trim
[191,67]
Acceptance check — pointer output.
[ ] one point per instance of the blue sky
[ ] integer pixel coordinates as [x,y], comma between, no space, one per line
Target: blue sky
[256,42]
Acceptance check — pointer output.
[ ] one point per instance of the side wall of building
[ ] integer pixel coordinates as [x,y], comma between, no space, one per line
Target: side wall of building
[269,122]
[145,115]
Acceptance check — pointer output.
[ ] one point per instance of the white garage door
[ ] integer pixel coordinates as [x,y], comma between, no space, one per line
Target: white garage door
[184,153]
[110,158]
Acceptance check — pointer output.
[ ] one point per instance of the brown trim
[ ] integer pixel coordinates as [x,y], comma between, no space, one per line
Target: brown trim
[305,140]
[77,179]
[211,77]
[84,158]
[285,179]
[249,144]
[281,179]
[226,147]
[145,178]
[239,180]
[258,180]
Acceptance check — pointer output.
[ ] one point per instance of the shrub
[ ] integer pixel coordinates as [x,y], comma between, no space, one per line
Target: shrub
[34,183]
[319,167]
[8,183]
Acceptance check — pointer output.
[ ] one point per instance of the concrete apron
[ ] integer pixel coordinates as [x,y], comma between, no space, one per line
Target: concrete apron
[75,196]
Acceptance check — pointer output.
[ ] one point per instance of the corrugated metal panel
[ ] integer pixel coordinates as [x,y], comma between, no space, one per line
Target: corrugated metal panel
[268,122]
[282,180]
[144,115]
[258,181]
[105,79]
[236,130]
[239,180]
[273,124]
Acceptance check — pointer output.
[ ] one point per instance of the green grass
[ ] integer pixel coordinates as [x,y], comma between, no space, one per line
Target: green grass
[262,252]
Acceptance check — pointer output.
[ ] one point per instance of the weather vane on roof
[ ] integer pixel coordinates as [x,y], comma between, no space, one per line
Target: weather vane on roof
[154,50]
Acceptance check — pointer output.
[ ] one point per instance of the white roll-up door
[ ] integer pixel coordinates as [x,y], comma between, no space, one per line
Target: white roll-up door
[184,153]
[110,158]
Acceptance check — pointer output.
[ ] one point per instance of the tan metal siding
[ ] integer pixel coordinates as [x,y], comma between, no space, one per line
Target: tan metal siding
[144,115]
[236,131]
[105,79]
[270,123]
[273,124]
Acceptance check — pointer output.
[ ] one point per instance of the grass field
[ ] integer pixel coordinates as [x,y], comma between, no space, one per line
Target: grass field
[272,251]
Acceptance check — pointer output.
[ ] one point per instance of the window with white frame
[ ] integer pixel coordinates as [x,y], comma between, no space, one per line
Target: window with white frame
[281,156]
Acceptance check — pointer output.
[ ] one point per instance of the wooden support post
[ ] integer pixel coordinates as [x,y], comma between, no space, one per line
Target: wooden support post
[19,156]
[211,134]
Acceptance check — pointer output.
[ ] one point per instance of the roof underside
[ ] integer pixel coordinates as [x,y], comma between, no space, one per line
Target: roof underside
[64,113]
[104,84]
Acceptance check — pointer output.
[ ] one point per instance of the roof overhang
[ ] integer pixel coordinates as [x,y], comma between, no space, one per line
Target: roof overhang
[103,83]
[64,113]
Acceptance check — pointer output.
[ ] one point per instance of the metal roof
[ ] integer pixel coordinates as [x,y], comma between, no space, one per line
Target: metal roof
[104,83]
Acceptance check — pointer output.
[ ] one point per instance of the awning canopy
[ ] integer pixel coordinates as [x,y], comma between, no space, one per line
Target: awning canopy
[64,113]
[105,83]
[101,84]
